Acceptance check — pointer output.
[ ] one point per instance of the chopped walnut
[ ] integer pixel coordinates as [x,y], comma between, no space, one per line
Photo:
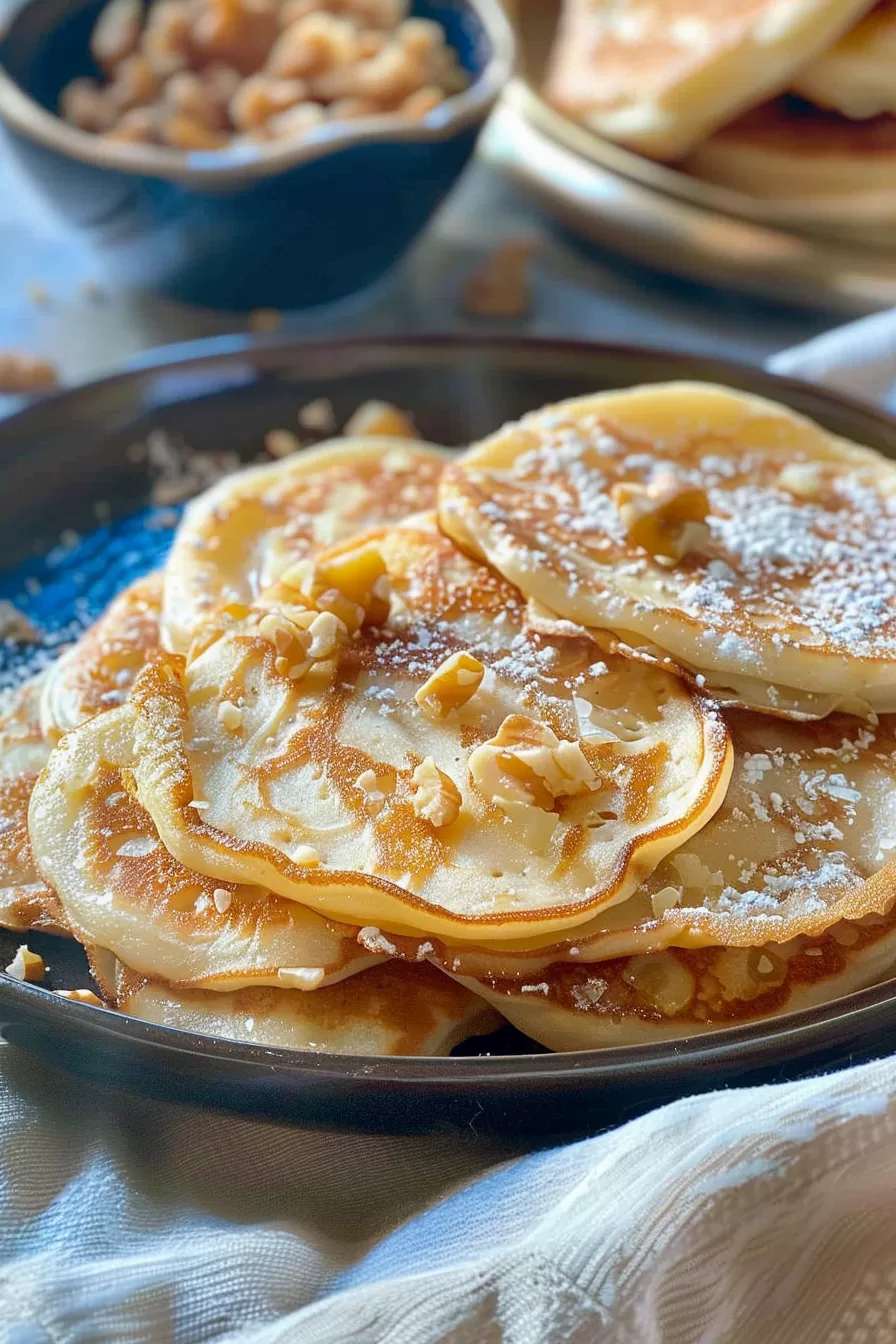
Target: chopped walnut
[282,442]
[435,798]
[117,33]
[26,965]
[80,996]
[352,584]
[500,287]
[23,373]
[378,417]
[318,415]
[802,479]
[327,632]
[291,644]
[223,899]
[230,716]
[525,762]
[453,683]
[666,517]
[371,786]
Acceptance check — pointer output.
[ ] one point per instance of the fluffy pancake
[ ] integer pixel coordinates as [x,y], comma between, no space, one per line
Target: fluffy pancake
[682,992]
[545,790]
[392,1009]
[26,902]
[855,75]
[660,77]
[734,536]
[801,156]
[236,538]
[805,838]
[96,673]
[122,890]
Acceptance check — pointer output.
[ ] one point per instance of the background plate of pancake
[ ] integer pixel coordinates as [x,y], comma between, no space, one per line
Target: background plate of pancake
[750,143]
[483,764]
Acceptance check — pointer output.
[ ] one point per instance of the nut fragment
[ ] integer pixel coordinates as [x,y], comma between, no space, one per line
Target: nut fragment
[282,442]
[222,899]
[369,784]
[802,479]
[379,417]
[80,996]
[500,286]
[454,682]
[525,762]
[24,373]
[230,715]
[291,644]
[666,517]
[352,584]
[326,631]
[436,798]
[26,965]
[116,33]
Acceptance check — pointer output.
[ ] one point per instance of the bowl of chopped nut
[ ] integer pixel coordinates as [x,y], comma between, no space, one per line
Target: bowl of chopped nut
[248,153]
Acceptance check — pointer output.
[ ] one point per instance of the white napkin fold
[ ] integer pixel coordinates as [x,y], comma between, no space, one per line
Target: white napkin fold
[744,1217]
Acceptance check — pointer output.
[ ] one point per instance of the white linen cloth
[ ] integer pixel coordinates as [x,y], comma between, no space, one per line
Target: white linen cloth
[744,1217]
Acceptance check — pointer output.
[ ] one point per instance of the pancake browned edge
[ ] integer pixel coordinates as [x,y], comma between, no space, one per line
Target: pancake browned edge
[659,77]
[792,152]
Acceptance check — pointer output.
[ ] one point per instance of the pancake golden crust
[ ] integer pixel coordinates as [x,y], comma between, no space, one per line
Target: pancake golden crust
[237,538]
[855,75]
[788,576]
[121,890]
[660,77]
[798,155]
[96,673]
[683,992]
[26,901]
[805,839]
[547,793]
[391,1009]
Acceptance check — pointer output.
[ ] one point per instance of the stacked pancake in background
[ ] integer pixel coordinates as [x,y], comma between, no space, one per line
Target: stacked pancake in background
[591,728]
[788,101]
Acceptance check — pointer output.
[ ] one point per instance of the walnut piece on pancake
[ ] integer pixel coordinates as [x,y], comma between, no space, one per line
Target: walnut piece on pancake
[452,684]
[26,965]
[525,762]
[666,517]
[436,798]
[351,584]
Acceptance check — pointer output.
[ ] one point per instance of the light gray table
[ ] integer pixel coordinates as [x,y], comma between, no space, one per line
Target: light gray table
[575,295]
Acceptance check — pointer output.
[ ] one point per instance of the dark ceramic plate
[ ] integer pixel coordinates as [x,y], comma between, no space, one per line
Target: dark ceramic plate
[63,455]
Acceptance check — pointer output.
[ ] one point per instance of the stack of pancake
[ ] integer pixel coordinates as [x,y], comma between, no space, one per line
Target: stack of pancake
[592,729]
[789,100]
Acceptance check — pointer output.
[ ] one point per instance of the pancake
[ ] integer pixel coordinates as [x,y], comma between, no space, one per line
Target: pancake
[442,770]
[806,159]
[722,530]
[855,75]
[680,992]
[659,77]
[392,1009]
[122,890]
[236,538]
[96,673]
[805,838]
[26,902]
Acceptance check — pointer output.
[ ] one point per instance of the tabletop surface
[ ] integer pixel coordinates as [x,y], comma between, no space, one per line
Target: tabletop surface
[49,304]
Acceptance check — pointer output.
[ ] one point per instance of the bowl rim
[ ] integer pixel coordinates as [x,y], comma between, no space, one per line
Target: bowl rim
[236,166]
[750,1045]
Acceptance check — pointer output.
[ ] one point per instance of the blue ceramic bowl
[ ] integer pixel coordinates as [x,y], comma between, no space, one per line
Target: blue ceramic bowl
[281,226]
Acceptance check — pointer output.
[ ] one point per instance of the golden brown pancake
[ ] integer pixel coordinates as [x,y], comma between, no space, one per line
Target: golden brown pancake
[659,76]
[855,76]
[392,1009]
[719,529]
[440,769]
[798,155]
[238,537]
[96,673]
[685,992]
[26,901]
